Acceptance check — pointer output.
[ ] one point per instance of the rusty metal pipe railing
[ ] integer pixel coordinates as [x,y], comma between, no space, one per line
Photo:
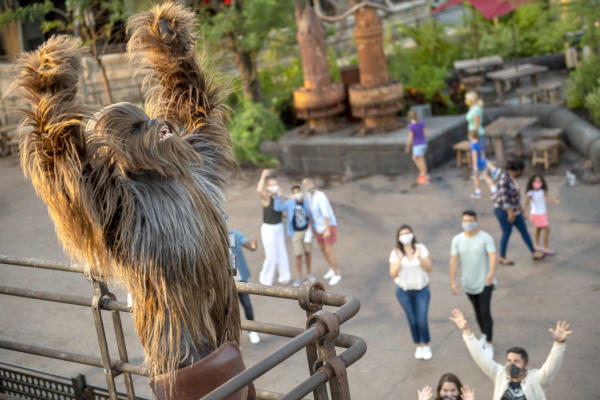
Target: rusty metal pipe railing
[106,304]
[37,263]
[347,308]
[118,366]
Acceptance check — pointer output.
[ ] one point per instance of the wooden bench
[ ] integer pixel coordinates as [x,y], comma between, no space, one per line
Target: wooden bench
[551,92]
[535,133]
[462,149]
[471,83]
[533,92]
[548,148]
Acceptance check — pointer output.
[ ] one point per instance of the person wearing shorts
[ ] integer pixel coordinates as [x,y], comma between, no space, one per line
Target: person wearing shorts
[417,139]
[298,229]
[324,225]
[482,168]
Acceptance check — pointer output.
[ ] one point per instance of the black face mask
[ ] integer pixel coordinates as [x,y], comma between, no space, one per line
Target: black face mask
[515,371]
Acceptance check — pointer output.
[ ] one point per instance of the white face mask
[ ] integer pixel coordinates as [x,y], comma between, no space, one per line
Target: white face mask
[298,196]
[469,226]
[273,188]
[406,238]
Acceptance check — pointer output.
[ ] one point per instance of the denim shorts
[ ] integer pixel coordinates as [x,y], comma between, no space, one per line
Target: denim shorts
[419,149]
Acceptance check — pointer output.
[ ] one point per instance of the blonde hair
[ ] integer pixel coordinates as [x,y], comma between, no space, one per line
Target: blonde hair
[473,99]
[412,116]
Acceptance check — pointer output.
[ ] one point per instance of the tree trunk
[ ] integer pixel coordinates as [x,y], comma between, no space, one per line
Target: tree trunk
[246,66]
[102,73]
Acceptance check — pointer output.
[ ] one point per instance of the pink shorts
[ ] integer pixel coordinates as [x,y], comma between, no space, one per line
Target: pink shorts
[539,220]
[331,239]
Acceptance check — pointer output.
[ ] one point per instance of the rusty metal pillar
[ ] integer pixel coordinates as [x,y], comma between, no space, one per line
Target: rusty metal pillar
[376,99]
[319,100]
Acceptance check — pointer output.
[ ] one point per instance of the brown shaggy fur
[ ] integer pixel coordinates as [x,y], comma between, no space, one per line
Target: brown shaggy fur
[137,199]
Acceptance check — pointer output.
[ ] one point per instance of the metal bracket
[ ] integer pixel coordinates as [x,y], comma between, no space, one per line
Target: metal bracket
[328,361]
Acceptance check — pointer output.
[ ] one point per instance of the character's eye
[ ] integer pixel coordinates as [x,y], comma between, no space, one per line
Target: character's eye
[136,128]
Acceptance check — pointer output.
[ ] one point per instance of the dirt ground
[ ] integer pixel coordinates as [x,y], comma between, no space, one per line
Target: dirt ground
[530,298]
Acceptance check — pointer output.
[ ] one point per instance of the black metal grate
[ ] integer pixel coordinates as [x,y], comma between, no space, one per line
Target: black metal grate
[23,385]
[26,386]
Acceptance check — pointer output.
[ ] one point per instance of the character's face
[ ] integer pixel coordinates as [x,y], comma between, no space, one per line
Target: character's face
[297,194]
[309,187]
[272,186]
[449,391]
[134,142]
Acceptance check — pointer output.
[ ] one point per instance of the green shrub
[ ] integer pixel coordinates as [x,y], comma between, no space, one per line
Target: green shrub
[583,81]
[592,103]
[252,124]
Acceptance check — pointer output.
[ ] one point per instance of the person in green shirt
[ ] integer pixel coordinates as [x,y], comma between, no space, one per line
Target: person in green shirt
[475,252]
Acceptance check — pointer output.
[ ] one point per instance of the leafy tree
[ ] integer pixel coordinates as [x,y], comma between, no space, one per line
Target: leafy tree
[242,27]
[94,21]
[588,12]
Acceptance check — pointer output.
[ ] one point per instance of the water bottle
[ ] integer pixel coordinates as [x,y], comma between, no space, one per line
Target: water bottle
[571,178]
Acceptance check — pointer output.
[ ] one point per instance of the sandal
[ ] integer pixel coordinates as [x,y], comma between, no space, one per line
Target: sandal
[504,261]
[538,255]
[549,252]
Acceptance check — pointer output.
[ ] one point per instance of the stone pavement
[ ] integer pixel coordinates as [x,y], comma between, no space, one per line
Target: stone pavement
[530,298]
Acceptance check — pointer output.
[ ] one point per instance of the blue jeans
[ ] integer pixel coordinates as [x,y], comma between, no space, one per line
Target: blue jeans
[416,305]
[506,227]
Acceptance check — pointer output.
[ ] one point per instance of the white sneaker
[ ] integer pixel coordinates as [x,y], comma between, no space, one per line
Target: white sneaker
[476,194]
[419,353]
[335,279]
[426,353]
[254,338]
[489,350]
[482,341]
[329,274]
[311,277]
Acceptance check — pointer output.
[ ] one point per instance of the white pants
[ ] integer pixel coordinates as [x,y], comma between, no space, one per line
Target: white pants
[273,238]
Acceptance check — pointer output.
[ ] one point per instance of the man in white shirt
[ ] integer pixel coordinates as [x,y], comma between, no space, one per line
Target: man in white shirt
[515,380]
[324,224]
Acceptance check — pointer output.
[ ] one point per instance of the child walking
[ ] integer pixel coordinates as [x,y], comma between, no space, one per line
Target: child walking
[481,166]
[537,194]
[417,139]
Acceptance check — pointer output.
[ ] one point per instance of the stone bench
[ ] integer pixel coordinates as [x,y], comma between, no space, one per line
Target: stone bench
[545,152]
[552,92]
[462,149]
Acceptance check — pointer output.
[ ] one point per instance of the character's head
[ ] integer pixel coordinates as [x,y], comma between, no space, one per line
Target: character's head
[449,387]
[537,182]
[308,185]
[515,168]
[472,99]
[517,362]
[469,220]
[404,237]
[123,135]
[297,193]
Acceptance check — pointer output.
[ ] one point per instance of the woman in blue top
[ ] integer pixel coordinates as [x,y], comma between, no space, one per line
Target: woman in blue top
[482,168]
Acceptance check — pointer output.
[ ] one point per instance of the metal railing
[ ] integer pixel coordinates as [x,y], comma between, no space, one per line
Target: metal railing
[321,336]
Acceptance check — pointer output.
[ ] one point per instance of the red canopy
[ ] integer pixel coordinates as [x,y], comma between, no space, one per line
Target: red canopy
[488,8]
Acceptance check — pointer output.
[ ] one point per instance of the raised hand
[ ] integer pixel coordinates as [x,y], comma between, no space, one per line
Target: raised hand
[425,394]
[561,331]
[467,393]
[459,319]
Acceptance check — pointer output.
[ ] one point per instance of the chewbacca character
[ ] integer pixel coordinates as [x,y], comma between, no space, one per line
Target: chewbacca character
[138,197]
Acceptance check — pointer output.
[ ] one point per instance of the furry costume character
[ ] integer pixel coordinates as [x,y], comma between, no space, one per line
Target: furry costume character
[139,198]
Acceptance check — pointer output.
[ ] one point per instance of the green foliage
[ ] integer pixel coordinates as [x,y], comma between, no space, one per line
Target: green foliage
[30,13]
[586,13]
[533,29]
[592,103]
[432,44]
[583,81]
[252,124]
[244,24]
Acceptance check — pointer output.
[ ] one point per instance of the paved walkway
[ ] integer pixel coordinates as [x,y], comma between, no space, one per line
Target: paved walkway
[530,298]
